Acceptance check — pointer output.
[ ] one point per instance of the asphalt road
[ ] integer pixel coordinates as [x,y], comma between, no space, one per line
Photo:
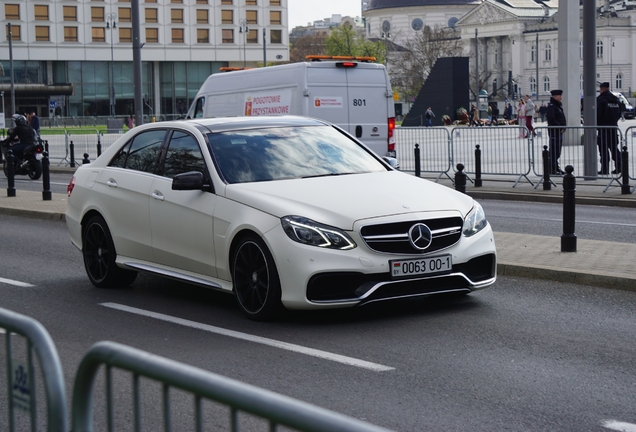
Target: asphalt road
[523,355]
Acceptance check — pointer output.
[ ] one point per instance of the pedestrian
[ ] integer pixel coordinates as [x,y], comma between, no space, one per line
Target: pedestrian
[556,121]
[542,110]
[530,113]
[508,112]
[34,122]
[474,115]
[429,117]
[130,122]
[489,115]
[608,111]
[521,119]
[495,114]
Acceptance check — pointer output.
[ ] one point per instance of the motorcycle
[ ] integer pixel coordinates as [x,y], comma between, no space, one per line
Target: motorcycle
[29,164]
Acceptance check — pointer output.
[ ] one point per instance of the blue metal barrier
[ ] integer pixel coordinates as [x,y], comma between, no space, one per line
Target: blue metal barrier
[240,397]
[21,384]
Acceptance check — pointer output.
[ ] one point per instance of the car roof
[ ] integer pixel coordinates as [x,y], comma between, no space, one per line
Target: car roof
[221,124]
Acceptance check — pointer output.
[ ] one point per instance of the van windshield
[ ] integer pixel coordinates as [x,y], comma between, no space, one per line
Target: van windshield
[279,153]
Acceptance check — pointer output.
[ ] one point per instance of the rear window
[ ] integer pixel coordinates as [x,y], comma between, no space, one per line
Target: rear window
[288,152]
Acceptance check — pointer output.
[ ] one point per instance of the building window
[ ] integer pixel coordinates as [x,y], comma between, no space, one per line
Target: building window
[546,84]
[98,34]
[599,49]
[202,16]
[227,17]
[250,2]
[581,50]
[42,33]
[12,12]
[619,81]
[176,15]
[70,34]
[533,53]
[548,52]
[177,35]
[70,13]
[252,36]
[124,14]
[227,36]
[251,16]
[275,17]
[125,34]
[203,36]
[15,32]
[41,12]
[227,2]
[274,2]
[151,1]
[533,85]
[97,14]
[202,1]
[581,82]
[152,35]
[176,1]
[275,36]
[151,15]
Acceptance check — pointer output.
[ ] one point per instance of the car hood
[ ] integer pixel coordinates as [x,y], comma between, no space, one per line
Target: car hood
[340,201]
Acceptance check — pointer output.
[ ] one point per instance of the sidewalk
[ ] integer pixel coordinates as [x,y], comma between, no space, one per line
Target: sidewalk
[597,263]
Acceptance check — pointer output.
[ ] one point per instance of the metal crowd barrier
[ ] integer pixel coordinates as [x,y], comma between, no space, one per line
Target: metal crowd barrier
[434,145]
[240,397]
[21,377]
[629,140]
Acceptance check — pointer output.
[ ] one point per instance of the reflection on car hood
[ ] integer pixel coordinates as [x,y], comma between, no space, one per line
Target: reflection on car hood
[341,200]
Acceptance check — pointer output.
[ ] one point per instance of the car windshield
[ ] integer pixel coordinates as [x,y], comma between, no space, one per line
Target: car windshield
[280,153]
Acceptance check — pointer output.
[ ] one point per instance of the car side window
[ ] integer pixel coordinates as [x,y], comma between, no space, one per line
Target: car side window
[183,155]
[141,153]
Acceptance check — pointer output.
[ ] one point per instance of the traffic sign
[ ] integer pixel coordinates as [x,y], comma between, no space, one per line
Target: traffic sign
[52,104]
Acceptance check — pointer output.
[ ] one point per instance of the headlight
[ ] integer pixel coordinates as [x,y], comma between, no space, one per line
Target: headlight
[312,233]
[474,221]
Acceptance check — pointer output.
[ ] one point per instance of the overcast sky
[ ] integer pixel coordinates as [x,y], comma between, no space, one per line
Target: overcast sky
[303,11]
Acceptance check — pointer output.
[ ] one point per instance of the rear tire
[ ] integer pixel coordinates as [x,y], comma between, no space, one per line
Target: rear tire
[99,254]
[34,169]
[255,280]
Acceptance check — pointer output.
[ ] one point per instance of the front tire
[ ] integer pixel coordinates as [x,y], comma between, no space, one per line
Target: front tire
[255,280]
[99,254]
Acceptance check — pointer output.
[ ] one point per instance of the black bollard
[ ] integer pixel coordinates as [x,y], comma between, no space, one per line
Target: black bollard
[460,179]
[46,146]
[86,160]
[71,148]
[546,169]
[10,174]
[46,177]
[625,189]
[99,145]
[477,166]
[568,238]
[418,167]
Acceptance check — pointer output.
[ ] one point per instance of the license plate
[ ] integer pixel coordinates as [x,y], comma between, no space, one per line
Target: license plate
[39,156]
[421,266]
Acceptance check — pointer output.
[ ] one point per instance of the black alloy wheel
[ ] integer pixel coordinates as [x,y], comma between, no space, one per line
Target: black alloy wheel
[255,279]
[99,254]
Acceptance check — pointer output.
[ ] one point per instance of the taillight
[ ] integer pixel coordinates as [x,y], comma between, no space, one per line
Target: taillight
[391,141]
[346,64]
[71,185]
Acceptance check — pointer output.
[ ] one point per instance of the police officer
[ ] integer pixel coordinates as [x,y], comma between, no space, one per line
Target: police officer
[608,110]
[25,134]
[556,120]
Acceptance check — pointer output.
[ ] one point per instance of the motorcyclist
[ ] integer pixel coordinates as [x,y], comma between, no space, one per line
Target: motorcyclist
[25,134]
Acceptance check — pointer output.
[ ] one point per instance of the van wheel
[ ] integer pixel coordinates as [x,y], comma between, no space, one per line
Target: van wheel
[255,280]
[99,254]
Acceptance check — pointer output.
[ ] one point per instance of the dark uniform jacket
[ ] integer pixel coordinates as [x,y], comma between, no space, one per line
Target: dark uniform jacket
[608,109]
[25,133]
[554,113]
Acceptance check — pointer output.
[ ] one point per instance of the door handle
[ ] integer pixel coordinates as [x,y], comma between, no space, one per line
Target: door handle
[111,183]
[358,131]
[158,195]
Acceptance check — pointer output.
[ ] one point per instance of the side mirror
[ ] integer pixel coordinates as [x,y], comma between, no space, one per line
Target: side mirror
[392,161]
[193,180]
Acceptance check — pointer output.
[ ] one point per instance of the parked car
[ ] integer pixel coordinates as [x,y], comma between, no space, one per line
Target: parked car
[629,109]
[281,211]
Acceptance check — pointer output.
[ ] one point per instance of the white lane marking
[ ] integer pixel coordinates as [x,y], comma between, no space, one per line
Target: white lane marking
[15,282]
[494,215]
[619,426]
[251,338]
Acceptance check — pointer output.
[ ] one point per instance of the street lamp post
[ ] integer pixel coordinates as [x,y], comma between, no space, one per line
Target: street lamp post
[244,29]
[112,25]
[611,72]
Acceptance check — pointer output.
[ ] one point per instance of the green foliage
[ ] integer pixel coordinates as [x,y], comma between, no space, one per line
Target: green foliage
[346,41]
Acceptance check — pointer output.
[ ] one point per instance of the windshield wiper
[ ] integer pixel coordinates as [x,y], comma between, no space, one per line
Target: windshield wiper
[327,175]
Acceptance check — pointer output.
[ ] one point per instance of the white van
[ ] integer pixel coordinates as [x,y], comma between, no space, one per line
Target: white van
[350,92]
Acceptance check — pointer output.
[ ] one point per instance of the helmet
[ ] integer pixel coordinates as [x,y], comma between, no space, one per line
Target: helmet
[19,119]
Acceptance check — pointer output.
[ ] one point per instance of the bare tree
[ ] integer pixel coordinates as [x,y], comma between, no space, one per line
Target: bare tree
[312,44]
[410,70]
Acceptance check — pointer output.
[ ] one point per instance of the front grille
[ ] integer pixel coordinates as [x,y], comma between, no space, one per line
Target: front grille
[394,237]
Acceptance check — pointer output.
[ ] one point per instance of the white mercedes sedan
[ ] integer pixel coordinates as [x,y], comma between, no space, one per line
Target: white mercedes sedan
[284,212]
